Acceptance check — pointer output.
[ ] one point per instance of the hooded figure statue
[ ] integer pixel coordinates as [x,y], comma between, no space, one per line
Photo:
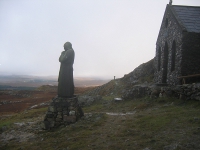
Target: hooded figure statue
[65,79]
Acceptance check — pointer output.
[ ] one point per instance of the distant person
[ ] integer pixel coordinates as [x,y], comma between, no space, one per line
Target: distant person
[65,79]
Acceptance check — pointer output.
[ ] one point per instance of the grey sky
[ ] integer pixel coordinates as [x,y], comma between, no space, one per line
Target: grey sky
[110,37]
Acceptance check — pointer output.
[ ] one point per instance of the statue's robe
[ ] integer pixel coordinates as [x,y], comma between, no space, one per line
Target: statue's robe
[65,79]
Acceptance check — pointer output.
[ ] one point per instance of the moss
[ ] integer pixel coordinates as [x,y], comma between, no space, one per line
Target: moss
[6,123]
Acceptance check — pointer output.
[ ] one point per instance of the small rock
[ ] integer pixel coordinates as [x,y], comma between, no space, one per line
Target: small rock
[117,99]
[171,147]
[4,128]
[146,148]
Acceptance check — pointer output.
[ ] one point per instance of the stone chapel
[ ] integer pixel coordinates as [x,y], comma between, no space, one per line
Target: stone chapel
[177,58]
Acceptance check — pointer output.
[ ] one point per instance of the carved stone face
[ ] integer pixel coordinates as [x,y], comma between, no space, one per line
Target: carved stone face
[67,46]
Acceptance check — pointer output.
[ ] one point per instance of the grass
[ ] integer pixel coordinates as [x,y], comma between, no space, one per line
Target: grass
[107,104]
[8,122]
[157,124]
[5,123]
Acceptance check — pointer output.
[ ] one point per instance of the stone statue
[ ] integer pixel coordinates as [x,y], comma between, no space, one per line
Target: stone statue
[64,108]
[65,79]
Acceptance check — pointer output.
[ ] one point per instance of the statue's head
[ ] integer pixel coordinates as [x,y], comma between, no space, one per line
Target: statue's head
[67,46]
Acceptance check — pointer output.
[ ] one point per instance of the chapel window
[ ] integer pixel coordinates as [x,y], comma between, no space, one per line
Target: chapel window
[173,56]
[159,58]
[166,22]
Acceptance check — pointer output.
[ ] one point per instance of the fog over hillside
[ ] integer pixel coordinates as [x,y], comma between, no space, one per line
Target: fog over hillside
[35,81]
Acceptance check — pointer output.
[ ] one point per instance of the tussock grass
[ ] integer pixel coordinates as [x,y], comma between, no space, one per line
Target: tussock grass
[157,124]
[20,117]
[5,123]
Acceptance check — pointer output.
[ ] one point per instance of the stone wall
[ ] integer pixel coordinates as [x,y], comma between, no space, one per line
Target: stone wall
[62,111]
[137,91]
[169,32]
[185,92]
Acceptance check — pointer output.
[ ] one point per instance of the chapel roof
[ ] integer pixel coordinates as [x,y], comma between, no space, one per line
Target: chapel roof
[188,17]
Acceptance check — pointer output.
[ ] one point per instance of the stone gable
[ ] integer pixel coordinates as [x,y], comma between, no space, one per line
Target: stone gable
[177,50]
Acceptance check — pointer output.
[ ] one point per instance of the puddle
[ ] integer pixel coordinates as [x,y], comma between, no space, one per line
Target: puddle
[19,123]
[120,114]
[118,99]
[112,113]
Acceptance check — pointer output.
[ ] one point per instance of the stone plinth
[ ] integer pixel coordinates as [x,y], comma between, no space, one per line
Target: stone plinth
[62,111]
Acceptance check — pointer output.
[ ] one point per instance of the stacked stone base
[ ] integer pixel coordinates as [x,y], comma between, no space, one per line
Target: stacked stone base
[62,111]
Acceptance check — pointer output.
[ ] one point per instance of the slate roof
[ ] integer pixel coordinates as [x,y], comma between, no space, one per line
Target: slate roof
[188,17]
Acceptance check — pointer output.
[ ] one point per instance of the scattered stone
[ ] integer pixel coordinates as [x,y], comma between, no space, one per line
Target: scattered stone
[87,100]
[19,136]
[146,148]
[171,147]
[117,99]
[4,128]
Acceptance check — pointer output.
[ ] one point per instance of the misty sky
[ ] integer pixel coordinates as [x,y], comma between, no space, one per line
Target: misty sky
[109,37]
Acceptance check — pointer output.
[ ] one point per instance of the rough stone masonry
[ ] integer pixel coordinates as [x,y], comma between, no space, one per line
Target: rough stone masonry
[62,111]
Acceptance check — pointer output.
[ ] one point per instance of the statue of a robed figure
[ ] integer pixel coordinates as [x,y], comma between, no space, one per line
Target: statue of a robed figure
[65,79]
[64,108]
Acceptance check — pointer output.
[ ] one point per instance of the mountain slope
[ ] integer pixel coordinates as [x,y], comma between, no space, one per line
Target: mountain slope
[142,74]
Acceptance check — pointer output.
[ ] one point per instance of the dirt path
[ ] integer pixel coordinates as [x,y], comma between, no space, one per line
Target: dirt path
[111,130]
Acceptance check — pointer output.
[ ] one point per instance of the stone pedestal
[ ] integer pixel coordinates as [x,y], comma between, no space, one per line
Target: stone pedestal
[62,111]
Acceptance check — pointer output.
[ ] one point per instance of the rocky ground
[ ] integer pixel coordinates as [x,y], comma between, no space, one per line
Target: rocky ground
[146,124]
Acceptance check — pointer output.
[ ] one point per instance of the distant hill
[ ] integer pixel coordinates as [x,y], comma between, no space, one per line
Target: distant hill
[9,81]
[85,82]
